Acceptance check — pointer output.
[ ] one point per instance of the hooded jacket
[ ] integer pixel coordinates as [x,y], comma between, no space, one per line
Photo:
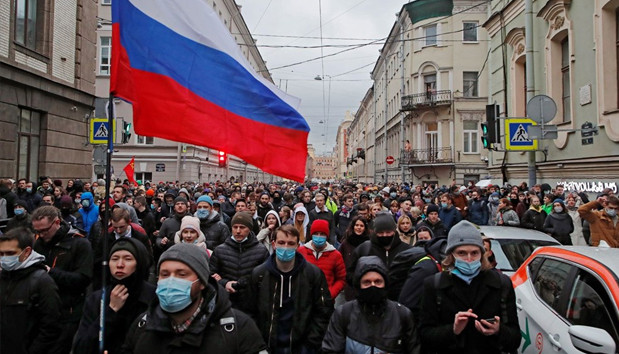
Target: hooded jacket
[371,247]
[355,329]
[303,231]
[30,308]
[214,229]
[301,295]
[478,212]
[533,219]
[200,241]
[235,261]
[151,332]
[330,261]
[560,226]
[90,214]
[70,258]
[32,199]
[265,234]
[168,230]
[509,217]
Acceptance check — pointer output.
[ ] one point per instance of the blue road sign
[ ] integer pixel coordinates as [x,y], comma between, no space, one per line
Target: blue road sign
[100,130]
[517,136]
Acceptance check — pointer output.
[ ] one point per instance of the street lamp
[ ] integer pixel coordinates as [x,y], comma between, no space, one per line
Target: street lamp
[321,78]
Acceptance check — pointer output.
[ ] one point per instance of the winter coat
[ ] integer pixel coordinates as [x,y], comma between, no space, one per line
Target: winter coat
[343,217]
[30,308]
[210,332]
[509,217]
[449,217]
[313,306]
[438,229]
[533,219]
[493,210]
[347,248]
[478,212]
[168,229]
[69,256]
[10,198]
[325,214]
[32,199]
[304,227]
[235,261]
[266,235]
[578,239]
[356,328]
[601,225]
[330,261]
[373,248]
[483,296]
[90,215]
[214,230]
[117,324]
[560,226]
[23,220]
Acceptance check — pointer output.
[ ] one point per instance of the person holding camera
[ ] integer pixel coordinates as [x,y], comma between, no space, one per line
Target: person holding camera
[469,307]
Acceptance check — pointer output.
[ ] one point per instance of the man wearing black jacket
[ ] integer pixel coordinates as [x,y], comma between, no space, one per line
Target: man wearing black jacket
[34,325]
[69,261]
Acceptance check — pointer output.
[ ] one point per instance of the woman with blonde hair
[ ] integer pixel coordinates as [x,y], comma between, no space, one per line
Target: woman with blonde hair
[301,220]
[406,230]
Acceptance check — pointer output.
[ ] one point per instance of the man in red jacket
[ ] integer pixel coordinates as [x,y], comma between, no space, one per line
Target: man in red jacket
[322,254]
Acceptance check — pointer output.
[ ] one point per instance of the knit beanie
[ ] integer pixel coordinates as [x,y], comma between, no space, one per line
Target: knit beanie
[150,193]
[384,222]
[139,252]
[193,256]
[180,199]
[66,202]
[464,233]
[320,225]
[243,218]
[432,208]
[190,222]
[205,198]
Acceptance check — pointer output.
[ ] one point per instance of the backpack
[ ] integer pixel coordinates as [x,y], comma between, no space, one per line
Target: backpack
[402,265]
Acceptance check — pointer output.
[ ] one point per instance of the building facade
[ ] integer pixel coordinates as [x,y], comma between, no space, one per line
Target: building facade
[341,147]
[420,122]
[158,159]
[574,62]
[47,87]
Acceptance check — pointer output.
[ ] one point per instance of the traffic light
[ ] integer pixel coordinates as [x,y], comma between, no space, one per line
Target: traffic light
[223,159]
[489,129]
[126,132]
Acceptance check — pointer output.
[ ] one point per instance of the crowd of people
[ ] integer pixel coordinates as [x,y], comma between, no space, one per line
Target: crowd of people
[270,267]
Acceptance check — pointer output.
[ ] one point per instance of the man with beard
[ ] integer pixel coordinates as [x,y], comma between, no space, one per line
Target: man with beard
[172,224]
[263,206]
[354,326]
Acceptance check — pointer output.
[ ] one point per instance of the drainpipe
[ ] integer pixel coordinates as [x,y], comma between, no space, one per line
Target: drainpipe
[528,32]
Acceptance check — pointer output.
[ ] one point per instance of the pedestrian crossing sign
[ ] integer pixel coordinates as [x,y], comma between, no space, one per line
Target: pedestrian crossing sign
[100,130]
[517,136]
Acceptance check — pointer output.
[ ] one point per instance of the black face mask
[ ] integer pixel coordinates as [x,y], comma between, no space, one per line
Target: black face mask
[65,211]
[384,240]
[372,295]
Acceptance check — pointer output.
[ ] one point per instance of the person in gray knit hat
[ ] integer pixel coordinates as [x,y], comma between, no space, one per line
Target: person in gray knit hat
[476,302]
[193,313]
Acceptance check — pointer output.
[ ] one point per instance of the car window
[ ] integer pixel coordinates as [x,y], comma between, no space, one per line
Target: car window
[550,282]
[511,253]
[589,305]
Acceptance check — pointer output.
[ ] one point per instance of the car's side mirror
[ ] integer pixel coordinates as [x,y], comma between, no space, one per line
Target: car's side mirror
[591,339]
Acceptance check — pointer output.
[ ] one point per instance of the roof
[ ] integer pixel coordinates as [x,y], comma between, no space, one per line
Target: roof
[607,256]
[508,232]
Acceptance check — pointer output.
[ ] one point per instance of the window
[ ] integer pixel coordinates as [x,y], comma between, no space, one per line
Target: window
[430,34]
[105,52]
[28,137]
[143,176]
[29,21]
[470,84]
[145,140]
[550,282]
[470,137]
[469,33]
[429,82]
[589,305]
[565,78]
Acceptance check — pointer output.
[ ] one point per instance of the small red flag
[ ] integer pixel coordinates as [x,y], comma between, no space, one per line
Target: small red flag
[130,170]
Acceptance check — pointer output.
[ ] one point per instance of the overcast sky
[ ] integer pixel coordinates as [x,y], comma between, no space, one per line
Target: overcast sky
[271,20]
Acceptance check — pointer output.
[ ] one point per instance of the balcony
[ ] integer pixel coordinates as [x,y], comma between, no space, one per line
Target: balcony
[426,99]
[427,156]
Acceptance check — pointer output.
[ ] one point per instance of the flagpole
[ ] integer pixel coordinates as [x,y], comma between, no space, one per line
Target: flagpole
[104,261]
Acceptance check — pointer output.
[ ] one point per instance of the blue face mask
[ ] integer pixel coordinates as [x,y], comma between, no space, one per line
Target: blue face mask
[152,206]
[18,211]
[29,190]
[393,195]
[285,254]
[9,263]
[174,294]
[86,203]
[444,205]
[427,200]
[203,213]
[610,212]
[468,268]
[318,240]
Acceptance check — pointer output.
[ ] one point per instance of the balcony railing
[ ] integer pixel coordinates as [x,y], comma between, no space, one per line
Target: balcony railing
[426,99]
[427,156]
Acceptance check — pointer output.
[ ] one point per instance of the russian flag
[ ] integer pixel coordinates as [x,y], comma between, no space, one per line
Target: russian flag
[188,81]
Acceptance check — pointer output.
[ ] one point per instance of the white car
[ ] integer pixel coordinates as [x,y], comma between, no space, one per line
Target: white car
[567,300]
[513,245]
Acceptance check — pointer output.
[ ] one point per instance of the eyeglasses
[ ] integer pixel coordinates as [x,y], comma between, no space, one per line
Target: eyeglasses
[42,231]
